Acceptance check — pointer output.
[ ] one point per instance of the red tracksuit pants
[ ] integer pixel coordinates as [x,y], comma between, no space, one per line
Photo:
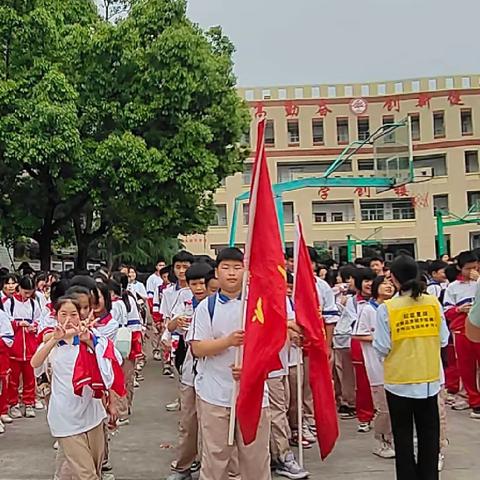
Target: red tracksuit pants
[363,392]
[452,375]
[25,370]
[468,360]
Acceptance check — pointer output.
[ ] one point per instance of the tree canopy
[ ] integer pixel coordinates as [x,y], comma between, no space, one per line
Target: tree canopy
[115,131]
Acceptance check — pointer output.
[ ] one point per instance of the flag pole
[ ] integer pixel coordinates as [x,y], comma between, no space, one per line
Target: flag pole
[300,405]
[238,362]
[299,352]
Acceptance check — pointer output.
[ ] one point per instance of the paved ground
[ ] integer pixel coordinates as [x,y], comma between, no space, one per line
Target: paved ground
[140,450]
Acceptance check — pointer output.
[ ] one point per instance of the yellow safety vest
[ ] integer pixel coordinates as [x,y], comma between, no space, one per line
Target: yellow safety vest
[415,333]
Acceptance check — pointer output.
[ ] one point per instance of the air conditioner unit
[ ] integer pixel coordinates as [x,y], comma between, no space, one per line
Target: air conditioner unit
[423,172]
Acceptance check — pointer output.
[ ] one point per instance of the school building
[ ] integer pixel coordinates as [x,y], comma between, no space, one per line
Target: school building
[307,127]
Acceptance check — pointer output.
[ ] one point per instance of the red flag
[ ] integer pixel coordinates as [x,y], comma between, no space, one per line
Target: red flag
[307,315]
[266,316]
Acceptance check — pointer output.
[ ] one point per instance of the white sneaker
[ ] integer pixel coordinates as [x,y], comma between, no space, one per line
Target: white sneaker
[6,419]
[2,428]
[288,467]
[157,356]
[30,412]
[307,434]
[15,412]
[364,427]
[460,405]
[441,461]
[174,406]
[39,405]
[121,422]
[136,384]
[55,445]
[384,450]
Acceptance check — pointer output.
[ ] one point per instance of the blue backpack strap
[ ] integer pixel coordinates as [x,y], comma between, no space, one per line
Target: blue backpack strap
[212,300]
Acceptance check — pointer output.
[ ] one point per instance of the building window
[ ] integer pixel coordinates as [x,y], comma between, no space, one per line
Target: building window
[372,211]
[315,92]
[471,162]
[317,131]
[466,121]
[340,211]
[245,211]
[440,204]
[438,124]
[415,85]
[466,82]
[247,174]
[293,132]
[366,164]
[415,125]
[220,219]
[342,130]
[388,120]
[288,213]
[365,90]
[332,91]
[282,93]
[449,83]
[298,92]
[381,89]
[473,201]
[399,87]
[266,94]
[293,171]
[389,210]
[269,133]
[403,210]
[348,91]
[363,125]
[249,95]
[432,84]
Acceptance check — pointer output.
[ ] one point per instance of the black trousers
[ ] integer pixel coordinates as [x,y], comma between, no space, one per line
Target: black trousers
[424,412]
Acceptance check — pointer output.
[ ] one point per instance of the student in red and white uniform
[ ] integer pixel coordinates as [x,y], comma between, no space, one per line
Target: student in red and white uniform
[158,323]
[6,341]
[154,281]
[41,286]
[24,313]
[459,298]
[172,295]
[363,394]
[9,287]
[84,368]
[382,290]
[104,324]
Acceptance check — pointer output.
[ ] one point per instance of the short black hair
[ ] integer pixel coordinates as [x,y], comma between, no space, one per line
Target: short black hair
[437,265]
[362,274]
[376,259]
[165,270]
[229,253]
[209,277]
[451,272]
[27,283]
[466,257]
[84,281]
[313,254]
[105,291]
[197,271]
[346,272]
[183,256]
[288,253]
[289,278]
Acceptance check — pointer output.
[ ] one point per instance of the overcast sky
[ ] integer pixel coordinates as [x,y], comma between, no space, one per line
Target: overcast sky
[341,41]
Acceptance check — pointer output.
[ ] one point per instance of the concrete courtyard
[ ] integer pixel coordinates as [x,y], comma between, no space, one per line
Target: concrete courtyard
[144,449]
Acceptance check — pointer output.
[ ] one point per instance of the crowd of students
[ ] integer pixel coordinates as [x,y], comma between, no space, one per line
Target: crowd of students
[395,333]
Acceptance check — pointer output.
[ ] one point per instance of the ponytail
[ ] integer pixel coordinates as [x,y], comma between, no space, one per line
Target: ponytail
[416,287]
[406,272]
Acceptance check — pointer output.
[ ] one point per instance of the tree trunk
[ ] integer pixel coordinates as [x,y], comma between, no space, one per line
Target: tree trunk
[45,243]
[82,253]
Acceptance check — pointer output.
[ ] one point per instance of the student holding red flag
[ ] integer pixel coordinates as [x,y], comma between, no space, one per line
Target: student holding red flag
[307,315]
[266,315]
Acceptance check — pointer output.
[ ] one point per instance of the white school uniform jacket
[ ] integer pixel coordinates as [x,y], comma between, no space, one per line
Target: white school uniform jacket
[119,312]
[342,334]
[153,283]
[171,297]
[214,380]
[69,414]
[134,322]
[107,327]
[326,299]
[137,288]
[6,331]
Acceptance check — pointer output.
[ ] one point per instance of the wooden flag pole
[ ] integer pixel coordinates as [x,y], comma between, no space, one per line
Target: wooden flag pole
[238,363]
[300,405]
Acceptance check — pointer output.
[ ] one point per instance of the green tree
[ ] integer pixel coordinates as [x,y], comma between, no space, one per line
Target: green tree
[124,129]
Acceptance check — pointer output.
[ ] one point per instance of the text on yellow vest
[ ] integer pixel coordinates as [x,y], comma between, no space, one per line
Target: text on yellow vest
[415,333]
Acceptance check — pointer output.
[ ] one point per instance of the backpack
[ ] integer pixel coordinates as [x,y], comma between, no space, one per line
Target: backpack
[212,302]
